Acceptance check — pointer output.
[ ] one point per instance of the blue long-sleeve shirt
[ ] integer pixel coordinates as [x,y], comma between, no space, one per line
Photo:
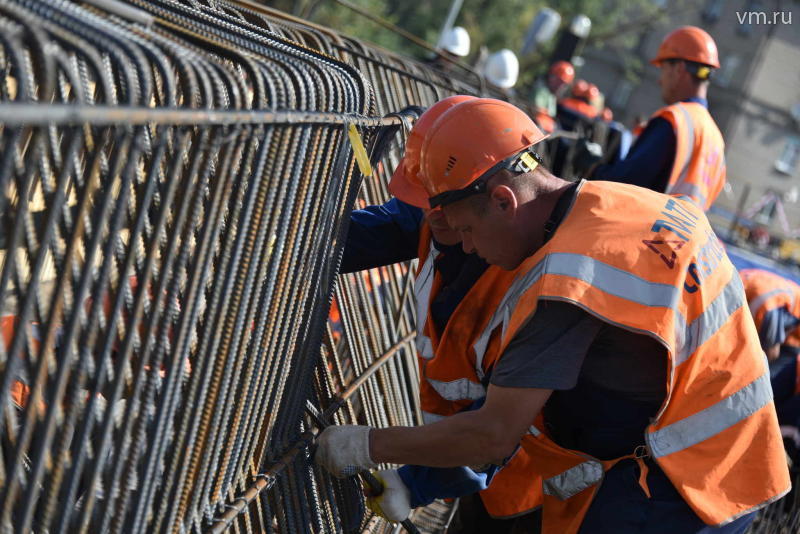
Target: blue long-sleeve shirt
[776,325]
[650,160]
[389,233]
[381,235]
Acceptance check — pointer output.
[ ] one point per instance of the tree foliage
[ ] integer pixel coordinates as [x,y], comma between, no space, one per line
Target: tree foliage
[616,24]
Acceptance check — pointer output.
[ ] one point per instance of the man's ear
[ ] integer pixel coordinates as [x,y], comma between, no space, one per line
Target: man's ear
[504,199]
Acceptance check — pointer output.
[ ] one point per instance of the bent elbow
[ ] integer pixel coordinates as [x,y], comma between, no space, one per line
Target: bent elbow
[499,447]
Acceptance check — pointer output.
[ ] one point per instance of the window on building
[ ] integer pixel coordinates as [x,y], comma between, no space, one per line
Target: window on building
[619,99]
[790,156]
[730,63]
[712,11]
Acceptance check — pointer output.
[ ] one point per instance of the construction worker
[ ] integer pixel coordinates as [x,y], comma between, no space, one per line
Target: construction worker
[681,150]
[625,326]
[451,290]
[775,304]
[502,71]
[547,93]
[580,103]
[453,47]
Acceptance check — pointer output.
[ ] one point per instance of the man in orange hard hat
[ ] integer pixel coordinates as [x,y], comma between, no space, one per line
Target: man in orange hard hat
[450,292]
[681,150]
[546,93]
[626,327]
[580,103]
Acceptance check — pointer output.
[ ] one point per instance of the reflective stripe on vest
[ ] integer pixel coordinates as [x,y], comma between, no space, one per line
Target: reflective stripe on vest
[428,417]
[574,480]
[460,389]
[422,292]
[628,286]
[759,301]
[689,337]
[713,420]
[698,170]
[680,187]
[603,276]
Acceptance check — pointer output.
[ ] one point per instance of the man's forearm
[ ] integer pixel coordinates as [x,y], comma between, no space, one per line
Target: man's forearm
[463,439]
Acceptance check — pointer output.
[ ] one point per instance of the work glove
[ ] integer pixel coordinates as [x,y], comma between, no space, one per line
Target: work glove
[343,450]
[425,484]
[394,502]
[587,155]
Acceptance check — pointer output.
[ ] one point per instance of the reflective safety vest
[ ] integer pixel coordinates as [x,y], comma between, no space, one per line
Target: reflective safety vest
[545,121]
[768,291]
[579,106]
[698,171]
[452,373]
[651,264]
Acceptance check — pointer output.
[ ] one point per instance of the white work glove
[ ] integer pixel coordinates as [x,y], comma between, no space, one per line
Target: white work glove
[394,503]
[343,450]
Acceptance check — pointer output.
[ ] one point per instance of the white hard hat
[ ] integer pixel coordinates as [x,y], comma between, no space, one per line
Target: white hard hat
[502,69]
[456,41]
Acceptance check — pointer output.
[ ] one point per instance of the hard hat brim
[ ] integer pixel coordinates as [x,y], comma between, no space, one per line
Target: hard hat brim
[403,189]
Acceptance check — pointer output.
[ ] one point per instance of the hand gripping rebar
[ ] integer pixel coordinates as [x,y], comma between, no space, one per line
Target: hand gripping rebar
[374,486]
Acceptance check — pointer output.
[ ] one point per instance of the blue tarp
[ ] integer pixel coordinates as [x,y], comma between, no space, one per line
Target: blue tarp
[744,259]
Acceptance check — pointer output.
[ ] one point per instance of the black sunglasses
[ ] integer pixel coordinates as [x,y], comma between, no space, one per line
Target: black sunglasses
[521,162]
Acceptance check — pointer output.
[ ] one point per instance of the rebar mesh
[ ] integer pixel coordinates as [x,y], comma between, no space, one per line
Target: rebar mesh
[175,184]
[175,181]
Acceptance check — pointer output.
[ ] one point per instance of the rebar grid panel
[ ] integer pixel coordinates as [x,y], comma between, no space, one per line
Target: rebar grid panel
[175,183]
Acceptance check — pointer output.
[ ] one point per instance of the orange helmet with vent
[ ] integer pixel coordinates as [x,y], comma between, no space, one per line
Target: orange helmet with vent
[405,183]
[471,142]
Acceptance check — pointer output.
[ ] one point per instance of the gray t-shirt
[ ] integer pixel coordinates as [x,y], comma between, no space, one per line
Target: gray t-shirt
[609,381]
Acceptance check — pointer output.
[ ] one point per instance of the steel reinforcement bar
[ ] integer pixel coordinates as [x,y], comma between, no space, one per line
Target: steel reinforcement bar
[176,179]
[175,185]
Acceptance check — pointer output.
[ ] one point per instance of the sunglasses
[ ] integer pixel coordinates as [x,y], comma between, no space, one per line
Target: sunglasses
[521,162]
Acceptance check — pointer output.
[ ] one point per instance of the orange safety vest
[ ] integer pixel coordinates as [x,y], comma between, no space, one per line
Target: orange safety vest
[698,171]
[579,106]
[650,263]
[20,391]
[545,121]
[768,291]
[450,378]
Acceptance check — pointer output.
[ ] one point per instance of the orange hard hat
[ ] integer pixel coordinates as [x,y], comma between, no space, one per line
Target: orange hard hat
[689,43]
[563,70]
[470,143]
[405,183]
